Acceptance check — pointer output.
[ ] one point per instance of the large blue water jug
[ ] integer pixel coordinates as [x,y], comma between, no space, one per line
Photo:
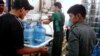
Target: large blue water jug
[28,34]
[39,34]
[26,25]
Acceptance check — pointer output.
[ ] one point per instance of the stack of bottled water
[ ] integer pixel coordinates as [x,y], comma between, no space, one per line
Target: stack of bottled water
[34,35]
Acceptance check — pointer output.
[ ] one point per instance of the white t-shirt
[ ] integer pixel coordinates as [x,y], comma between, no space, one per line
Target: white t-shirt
[2,13]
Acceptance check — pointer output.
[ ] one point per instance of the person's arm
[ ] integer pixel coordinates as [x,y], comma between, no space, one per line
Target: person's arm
[27,50]
[73,45]
[45,21]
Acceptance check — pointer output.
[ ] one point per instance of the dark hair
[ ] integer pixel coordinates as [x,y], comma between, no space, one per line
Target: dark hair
[58,4]
[78,8]
[1,2]
[17,4]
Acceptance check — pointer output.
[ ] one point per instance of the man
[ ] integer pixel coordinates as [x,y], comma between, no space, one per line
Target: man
[58,22]
[11,31]
[1,7]
[82,37]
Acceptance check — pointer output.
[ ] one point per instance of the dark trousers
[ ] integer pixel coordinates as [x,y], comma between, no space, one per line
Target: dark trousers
[57,44]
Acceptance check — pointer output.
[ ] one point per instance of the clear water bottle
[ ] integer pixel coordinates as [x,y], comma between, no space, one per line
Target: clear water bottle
[28,34]
[39,34]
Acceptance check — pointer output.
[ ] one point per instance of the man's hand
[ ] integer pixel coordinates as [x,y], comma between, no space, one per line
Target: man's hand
[41,21]
[43,50]
[44,21]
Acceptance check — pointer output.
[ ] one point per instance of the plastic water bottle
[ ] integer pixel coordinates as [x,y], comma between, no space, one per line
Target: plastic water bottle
[39,34]
[26,25]
[28,34]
